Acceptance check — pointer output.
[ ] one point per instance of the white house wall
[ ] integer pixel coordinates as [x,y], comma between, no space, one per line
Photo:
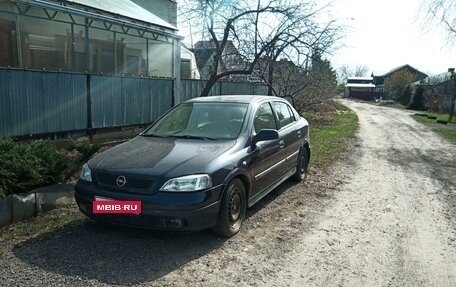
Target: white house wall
[188,55]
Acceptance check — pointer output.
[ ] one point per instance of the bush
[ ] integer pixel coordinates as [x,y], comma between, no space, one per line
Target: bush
[28,165]
[25,166]
[417,102]
[84,151]
[404,97]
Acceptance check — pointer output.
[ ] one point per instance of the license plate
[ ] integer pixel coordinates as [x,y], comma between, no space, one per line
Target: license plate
[103,205]
[100,198]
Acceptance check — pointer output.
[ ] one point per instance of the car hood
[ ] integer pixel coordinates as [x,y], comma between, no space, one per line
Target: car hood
[160,156]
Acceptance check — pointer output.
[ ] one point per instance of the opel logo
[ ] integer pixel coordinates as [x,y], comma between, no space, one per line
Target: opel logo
[121,181]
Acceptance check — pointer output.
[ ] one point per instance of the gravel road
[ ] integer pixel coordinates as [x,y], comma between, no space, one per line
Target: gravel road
[383,216]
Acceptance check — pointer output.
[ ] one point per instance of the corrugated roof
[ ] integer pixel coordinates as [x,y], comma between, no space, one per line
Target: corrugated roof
[360,85]
[125,8]
[360,78]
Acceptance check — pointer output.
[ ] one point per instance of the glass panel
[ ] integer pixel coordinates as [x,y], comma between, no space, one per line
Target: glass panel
[79,49]
[64,17]
[186,69]
[45,44]
[160,59]
[102,45]
[37,12]
[131,55]
[8,43]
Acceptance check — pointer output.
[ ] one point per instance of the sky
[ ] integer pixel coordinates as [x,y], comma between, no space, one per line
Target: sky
[385,34]
[389,33]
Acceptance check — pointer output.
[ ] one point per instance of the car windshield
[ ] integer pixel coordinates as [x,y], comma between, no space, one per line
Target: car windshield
[201,120]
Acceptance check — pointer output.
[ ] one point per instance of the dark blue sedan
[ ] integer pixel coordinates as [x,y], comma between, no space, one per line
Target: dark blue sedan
[199,166]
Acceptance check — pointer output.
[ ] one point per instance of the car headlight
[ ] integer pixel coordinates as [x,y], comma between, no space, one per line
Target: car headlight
[86,173]
[188,183]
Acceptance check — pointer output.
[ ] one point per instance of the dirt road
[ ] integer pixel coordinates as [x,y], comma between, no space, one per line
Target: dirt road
[384,216]
[393,221]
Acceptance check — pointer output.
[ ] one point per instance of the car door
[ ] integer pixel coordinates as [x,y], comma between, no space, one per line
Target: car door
[265,156]
[289,136]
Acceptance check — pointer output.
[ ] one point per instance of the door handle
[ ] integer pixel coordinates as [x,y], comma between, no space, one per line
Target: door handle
[299,134]
[281,144]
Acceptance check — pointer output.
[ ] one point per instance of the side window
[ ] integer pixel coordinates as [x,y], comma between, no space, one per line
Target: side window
[264,118]
[293,117]
[283,113]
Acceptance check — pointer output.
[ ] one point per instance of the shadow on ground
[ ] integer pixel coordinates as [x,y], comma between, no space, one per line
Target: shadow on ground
[436,164]
[113,255]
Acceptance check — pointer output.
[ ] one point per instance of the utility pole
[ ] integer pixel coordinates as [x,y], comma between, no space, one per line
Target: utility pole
[453,99]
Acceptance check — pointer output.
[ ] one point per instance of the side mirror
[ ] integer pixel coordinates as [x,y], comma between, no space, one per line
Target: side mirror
[265,135]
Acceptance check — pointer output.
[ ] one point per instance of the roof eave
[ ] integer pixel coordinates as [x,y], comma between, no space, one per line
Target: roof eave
[131,22]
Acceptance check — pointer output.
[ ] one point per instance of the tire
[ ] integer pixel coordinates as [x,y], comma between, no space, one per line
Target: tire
[301,167]
[232,209]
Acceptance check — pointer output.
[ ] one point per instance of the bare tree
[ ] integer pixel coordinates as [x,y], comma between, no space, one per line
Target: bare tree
[361,71]
[300,45]
[442,12]
[264,29]
[321,85]
[349,71]
[309,84]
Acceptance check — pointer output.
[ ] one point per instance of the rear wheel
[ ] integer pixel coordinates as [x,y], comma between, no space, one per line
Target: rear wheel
[301,167]
[232,209]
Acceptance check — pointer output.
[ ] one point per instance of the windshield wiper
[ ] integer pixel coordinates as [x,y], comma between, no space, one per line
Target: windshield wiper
[195,137]
[154,135]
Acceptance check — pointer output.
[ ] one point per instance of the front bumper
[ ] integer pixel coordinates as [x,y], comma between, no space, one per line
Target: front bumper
[162,210]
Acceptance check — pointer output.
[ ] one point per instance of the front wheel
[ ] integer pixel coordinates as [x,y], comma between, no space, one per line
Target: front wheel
[232,209]
[301,167]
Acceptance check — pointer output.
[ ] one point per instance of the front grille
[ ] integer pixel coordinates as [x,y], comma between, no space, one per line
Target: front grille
[139,221]
[133,183]
[131,220]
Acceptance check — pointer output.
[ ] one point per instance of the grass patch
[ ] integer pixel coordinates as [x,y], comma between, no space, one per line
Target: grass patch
[448,134]
[333,138]
[447,131]
[392,105]
[441,117]
[43,223]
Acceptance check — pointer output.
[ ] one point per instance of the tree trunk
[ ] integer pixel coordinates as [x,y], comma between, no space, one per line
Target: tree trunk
[207,88]
[270,76]
[453,99]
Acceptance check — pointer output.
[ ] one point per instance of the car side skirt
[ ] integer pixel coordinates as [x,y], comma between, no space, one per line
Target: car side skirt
[276,165]
[268,189]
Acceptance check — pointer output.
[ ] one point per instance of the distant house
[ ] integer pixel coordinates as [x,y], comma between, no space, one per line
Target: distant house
[189,69]
[360,88]
[380,80]
[231,59]
[438,91]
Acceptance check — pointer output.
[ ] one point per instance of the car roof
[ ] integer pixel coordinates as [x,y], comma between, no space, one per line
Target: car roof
[235,98]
